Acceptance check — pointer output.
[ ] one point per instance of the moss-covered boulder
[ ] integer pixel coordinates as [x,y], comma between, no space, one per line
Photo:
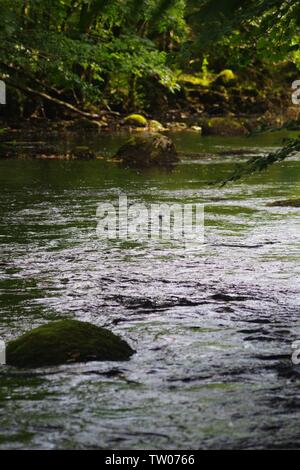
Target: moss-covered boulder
[225,78]
[155,126]
[136,120]
[147,150]
[66,341]
[223,126]
[286,203]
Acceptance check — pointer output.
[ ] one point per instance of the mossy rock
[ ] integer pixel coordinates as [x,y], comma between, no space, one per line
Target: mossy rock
[155,126]
[136,120]
[148,150]
[287,203]
[223,126]
[195,128]
[225,78]
[66,341]
[177,126]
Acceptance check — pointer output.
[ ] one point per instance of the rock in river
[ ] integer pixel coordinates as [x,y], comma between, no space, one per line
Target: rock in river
[66,341]
[148,150]
[286,203]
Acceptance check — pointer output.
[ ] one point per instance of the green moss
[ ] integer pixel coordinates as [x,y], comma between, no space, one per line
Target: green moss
[155,126]
[136,120]
[66,341]
[21,437]
[225,78]
[148,150]
[287,203]
[187,78]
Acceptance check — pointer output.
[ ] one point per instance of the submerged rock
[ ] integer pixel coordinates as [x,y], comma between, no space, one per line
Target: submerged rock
[148,150]
[287,203]
[66,341]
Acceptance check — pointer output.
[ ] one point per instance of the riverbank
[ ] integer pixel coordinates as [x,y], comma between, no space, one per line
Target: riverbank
[39,138]
[206,124]
[223,104]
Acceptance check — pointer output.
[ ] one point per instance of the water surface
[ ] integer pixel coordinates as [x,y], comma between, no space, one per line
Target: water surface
[212,325]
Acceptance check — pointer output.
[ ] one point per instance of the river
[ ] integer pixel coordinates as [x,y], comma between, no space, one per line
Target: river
[212,325]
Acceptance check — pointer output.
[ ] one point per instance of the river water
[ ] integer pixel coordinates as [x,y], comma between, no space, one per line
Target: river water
[213,325]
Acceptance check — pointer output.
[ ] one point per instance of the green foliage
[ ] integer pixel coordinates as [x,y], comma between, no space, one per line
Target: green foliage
[75,49]
[100,53]
[247,30]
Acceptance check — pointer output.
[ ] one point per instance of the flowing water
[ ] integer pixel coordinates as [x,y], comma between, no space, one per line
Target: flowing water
[212,325]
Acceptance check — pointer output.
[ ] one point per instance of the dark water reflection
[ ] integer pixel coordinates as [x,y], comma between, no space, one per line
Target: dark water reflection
[213,325]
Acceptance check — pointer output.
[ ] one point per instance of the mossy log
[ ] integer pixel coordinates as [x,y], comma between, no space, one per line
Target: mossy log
[66,341]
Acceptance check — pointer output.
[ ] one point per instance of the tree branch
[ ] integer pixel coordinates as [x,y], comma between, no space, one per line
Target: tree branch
[59,102]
